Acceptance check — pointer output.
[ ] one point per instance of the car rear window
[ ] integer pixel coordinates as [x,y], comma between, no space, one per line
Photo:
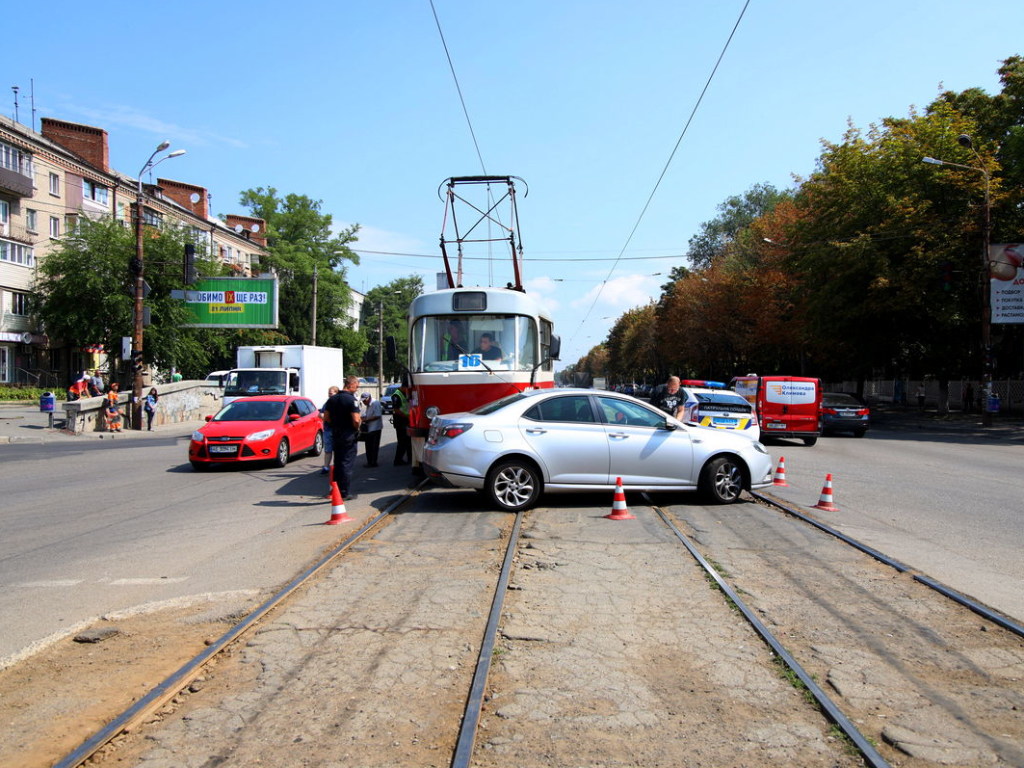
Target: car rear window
[838,398]
[497,405]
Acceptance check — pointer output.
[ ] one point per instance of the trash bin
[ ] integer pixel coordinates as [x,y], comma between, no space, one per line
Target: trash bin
[47,402]
[993,403]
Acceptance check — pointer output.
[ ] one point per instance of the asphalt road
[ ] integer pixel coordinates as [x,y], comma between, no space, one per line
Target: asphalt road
[950,505]
[95,526]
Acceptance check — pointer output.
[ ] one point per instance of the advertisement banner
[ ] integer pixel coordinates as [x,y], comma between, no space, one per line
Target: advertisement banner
[232,302]
[1006,282]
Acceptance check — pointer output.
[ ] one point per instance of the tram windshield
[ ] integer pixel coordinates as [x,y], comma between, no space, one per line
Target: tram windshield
[474,342]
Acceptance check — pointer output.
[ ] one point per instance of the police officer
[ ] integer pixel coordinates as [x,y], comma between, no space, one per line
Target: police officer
[400,403]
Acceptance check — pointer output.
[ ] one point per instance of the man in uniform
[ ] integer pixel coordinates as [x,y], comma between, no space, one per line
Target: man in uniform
[342,412]
[400,412]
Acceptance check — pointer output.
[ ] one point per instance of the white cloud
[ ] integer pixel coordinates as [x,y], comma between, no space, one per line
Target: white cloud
[130,117]
[618,295]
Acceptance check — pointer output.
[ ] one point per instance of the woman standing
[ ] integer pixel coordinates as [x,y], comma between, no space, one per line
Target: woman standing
[328,435]
[150,408]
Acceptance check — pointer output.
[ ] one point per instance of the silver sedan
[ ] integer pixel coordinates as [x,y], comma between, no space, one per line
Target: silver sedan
[564,440]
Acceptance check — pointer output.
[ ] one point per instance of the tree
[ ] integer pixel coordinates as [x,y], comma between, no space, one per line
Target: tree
[735,214]
[86,293]
[299,237]
[394,298]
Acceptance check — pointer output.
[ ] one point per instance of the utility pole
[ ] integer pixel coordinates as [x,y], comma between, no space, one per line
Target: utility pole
[380,348]
[312,334]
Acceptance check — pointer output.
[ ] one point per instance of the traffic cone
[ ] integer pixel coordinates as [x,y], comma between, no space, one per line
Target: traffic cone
[338,514]
[780,473]
[825,501]
[619,509]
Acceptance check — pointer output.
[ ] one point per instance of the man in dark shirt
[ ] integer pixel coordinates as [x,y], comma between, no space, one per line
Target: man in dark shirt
[342,412]
[488,350]
[671,398]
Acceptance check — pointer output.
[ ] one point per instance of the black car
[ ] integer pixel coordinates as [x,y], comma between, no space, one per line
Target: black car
[841,412]
[385,402]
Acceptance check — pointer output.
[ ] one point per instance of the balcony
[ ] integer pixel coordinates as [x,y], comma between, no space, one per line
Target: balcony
[15,182]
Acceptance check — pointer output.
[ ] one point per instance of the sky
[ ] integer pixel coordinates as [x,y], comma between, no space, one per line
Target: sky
[353,103]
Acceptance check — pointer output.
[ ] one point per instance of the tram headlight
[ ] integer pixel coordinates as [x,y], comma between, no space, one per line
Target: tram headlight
[432,411]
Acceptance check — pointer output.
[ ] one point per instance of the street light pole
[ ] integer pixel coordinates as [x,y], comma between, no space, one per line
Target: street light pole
[138,269]
[986,299]
[313,313]
[380,348]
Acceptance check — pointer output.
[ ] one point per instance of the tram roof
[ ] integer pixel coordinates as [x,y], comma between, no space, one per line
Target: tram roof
[497,301]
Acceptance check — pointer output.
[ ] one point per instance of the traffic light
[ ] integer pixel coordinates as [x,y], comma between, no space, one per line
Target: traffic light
[191,275]
[137,363]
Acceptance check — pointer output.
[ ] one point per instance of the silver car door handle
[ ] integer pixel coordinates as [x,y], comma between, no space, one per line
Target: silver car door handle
[623,435]
[536,431]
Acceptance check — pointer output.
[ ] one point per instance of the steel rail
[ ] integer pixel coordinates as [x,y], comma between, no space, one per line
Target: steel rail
[982,610]
[474,704]
[177,680]
[867,750]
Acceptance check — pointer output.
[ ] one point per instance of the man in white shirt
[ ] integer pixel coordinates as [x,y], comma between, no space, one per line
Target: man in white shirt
[373,422]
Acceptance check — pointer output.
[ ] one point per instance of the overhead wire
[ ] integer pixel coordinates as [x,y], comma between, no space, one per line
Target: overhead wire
[664,170]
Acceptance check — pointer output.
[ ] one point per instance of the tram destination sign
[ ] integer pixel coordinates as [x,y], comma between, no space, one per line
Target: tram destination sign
[231,302]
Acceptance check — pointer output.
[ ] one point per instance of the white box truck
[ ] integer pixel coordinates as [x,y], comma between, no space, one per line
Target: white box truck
[292,369]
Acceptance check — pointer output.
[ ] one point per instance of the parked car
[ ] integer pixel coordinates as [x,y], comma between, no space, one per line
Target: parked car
[841,412]
[786,406]
[565,440]
[385,402]
[710,404]
[265,428]
[216,378]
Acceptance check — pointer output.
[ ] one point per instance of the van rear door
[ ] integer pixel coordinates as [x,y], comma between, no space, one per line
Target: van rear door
[790,406]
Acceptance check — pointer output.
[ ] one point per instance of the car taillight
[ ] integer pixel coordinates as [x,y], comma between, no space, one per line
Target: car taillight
[829,411]
[864,412]
[453,430]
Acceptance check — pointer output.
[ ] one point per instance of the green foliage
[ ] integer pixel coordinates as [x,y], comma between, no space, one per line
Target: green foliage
[394,298]
[86,292]
[300,238]
[23,394]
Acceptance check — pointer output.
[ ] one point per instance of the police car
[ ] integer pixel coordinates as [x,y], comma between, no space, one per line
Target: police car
[710,404]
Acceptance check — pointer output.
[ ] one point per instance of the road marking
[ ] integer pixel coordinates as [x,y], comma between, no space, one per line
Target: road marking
[53,583]
[141,582]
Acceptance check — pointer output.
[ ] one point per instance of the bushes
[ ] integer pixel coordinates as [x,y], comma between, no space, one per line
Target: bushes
[24,394]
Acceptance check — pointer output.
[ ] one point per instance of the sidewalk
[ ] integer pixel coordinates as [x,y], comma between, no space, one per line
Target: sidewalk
[1006,427]
[25,423]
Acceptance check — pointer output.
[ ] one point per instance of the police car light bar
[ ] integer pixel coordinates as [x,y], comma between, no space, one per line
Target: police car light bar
[703,383]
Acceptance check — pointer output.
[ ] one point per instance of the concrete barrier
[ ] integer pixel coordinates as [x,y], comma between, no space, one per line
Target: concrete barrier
[179,402]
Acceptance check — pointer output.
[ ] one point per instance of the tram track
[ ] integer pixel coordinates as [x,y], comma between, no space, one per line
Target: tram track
[915,669]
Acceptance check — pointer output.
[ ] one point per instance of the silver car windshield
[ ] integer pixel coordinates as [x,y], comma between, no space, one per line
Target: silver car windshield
[502,342]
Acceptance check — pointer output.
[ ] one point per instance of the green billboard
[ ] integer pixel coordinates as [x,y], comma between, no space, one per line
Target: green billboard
[232,302]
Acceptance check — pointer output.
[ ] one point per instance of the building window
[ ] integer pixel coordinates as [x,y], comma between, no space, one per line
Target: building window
[19,303]
[54,184]
[30,220]
[5,213]
[54,226]
[16,253]
[152,218]
[93,191]
[15,159]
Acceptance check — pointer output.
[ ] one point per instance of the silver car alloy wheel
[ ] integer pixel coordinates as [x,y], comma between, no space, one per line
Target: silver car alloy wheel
[727,480]
[513,486]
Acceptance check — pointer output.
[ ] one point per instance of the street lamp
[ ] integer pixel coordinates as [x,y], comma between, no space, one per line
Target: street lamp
[986,301]
[138,270]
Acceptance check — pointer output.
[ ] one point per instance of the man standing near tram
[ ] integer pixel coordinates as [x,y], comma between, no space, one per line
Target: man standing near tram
[342,412]
[400,414]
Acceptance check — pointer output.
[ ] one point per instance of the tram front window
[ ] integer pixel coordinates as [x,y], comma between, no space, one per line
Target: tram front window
[503,342]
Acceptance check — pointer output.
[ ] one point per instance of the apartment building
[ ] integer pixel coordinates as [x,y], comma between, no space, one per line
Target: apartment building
[48,179]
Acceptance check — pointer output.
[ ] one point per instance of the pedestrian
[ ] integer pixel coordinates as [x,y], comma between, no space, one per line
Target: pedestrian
[342,412]
[150,408]
[400,416]
[967,398]
[79,389]
[328,434]
[96,384]
[670,399]
[920,397]
[112,414]
[114,393]
[372,426]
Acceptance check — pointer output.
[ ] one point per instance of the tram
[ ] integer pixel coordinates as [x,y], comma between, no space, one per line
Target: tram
[471,345]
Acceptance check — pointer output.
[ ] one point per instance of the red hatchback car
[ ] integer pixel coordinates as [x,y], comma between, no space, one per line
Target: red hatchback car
[267,428]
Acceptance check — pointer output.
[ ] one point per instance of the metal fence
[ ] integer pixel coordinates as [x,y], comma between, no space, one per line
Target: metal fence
[903,392]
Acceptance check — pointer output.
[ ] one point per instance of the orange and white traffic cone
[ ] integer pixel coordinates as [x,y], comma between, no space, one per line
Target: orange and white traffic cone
[619,509]
[825,501]
[780,473]
[338,514]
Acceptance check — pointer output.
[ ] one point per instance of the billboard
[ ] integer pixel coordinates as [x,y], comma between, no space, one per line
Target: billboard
[1006,282]
[231,302]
